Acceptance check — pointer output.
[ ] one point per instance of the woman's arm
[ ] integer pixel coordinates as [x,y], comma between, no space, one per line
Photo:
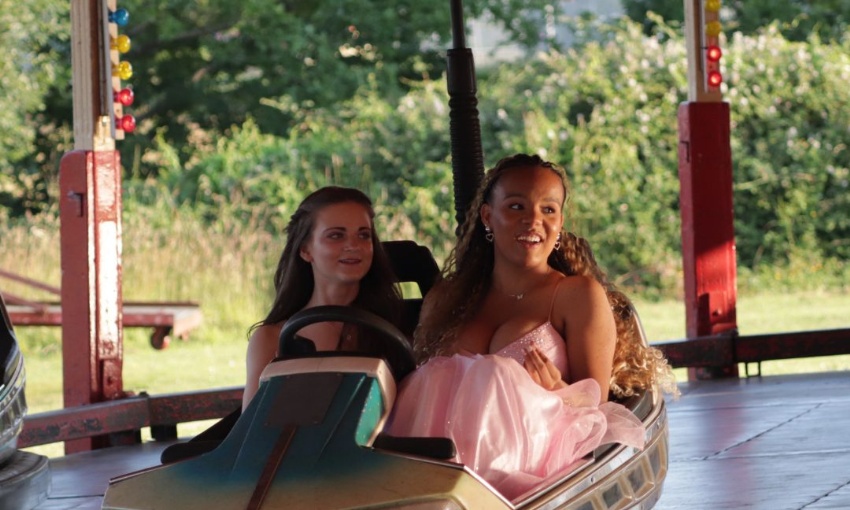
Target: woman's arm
[583,311]
[262,349]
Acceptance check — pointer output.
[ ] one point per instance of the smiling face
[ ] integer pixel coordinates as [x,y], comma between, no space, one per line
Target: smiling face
[525,213]
[340,248]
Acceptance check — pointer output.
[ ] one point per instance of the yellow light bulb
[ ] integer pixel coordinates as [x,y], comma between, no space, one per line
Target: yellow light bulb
[713,28]
[121,43]
[123,70]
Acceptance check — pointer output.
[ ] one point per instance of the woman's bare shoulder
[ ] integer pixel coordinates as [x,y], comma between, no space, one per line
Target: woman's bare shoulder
[578,285]
[579,294]
[267,330]
[265,337]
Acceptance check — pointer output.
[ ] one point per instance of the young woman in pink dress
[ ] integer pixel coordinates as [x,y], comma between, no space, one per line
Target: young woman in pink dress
[519,340]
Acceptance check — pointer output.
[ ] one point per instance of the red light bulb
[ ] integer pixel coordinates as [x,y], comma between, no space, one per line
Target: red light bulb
[127,123]
[715,78]
[125,96]
[713,53]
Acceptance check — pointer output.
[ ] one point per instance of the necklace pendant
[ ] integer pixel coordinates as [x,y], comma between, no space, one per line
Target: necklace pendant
[517,296]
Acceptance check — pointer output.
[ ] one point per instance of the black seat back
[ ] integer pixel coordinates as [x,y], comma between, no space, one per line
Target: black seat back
[412,263]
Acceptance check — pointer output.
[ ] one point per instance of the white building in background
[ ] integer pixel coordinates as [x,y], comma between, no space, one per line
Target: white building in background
[487,39]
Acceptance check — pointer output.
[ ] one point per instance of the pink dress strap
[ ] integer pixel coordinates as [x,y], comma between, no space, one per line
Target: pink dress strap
[554,295]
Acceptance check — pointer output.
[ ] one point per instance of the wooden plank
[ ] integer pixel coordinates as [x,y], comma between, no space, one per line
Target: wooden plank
[768,482]
[709,433]
[774,442]
[194,406]
[29,282]
[82,478]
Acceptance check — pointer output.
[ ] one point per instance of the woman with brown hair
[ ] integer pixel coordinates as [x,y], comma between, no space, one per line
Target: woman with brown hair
[332,256]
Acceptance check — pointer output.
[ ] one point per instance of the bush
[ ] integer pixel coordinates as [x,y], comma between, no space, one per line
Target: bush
[789,125]
[605,109]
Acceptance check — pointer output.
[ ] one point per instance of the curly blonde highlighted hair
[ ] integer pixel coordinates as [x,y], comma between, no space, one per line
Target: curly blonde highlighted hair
[468,273]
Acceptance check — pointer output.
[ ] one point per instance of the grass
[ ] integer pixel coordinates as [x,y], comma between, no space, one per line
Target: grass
[228,269]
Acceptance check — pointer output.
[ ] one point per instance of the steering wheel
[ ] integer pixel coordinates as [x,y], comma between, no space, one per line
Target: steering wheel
[393,346]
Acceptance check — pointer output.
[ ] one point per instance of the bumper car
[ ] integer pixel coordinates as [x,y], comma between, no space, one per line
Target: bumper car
[311,439]
[24,476]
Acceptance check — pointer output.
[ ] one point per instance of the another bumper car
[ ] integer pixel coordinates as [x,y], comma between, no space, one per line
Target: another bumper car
[24,476]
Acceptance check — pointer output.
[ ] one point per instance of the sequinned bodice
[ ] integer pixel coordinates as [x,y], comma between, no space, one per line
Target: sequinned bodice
[547,339]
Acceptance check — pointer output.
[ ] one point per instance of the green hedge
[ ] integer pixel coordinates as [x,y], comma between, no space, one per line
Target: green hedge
[606,109]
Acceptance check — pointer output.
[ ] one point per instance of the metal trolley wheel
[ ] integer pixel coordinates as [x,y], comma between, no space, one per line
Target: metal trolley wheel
[161,337]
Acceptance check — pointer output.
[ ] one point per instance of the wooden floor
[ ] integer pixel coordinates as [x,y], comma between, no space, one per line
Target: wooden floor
[761,443]
[768,443]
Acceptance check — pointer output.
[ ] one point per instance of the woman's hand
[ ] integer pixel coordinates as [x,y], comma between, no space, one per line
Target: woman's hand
[542,370]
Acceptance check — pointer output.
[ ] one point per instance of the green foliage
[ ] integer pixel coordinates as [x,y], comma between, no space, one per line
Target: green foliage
[797,21]
[789,120]
[606,109]
[607,112]
[669,11]
[251,128]
[217,63]
[398,154]
[243,174]
[29,38]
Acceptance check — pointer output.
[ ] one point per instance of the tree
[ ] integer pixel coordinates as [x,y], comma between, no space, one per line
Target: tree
[31,65]
[216,63]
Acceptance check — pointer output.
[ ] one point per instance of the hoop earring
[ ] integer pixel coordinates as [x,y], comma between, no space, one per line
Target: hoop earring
[489,234]
[558,242]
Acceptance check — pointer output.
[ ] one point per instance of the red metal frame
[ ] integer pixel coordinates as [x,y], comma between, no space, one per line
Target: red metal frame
[708,233]
[90,237]
[729,349]
[128,415]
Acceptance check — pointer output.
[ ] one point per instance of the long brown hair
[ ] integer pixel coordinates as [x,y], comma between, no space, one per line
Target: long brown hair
[293,279]
[468,274]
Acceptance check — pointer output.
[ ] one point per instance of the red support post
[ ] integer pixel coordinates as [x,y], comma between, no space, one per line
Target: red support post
[90,236]
[708,233]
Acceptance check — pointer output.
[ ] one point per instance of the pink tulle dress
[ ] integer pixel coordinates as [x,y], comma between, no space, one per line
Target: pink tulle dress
[511,431]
